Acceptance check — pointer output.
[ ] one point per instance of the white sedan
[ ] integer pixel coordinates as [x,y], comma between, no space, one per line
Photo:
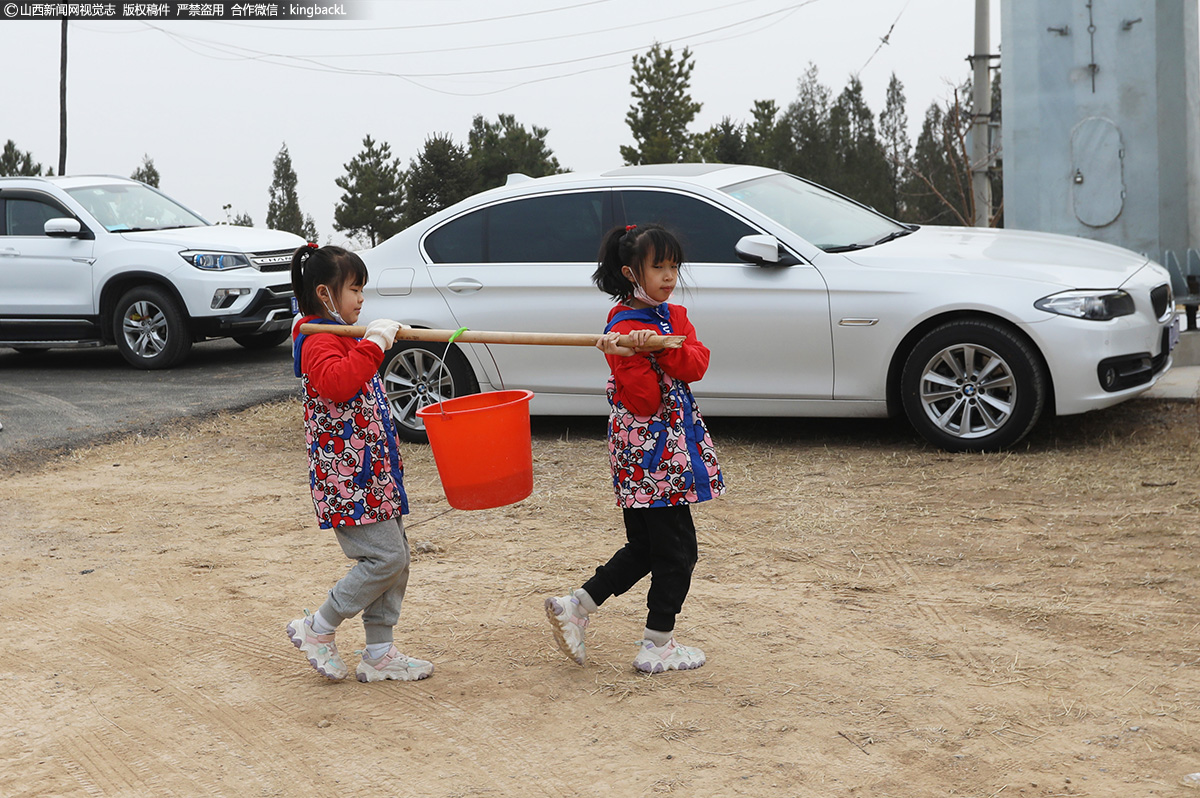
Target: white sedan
[812,304]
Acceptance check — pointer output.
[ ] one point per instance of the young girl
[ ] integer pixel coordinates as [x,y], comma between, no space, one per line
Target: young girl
[354,464]
[662,456]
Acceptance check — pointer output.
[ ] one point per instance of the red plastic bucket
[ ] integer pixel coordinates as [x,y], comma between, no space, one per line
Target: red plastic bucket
[482,448]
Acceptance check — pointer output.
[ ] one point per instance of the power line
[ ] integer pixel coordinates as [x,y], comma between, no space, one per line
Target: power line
[522,42]
[320,66]
[594,69]
[885,39]
[428,24]
[432,51]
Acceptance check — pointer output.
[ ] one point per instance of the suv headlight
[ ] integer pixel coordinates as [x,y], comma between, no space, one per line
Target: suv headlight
[1095,305]
[215,261]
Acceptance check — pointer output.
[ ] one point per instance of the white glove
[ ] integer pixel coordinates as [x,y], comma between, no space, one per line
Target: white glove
[382,333]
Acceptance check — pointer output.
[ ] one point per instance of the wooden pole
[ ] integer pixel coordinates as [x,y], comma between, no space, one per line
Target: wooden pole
[490,337]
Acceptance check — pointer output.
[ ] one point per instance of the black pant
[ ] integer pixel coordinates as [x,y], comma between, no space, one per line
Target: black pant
[660,541]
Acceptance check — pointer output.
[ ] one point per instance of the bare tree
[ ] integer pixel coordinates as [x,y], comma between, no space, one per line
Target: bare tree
[940,168]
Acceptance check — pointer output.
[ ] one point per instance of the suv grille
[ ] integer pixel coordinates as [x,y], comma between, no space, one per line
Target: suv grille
[278,261]
[1160,300]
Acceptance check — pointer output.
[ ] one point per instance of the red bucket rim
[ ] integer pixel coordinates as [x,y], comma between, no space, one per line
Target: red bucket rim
[447,406]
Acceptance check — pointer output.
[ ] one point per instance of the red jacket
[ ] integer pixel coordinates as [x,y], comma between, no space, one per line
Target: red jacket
[355,471]
[338,367]
[637,385]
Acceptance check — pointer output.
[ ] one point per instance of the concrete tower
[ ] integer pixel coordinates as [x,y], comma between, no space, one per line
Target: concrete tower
[1102,124]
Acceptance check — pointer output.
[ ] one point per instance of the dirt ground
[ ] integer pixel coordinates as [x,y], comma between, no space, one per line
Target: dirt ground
[881,619]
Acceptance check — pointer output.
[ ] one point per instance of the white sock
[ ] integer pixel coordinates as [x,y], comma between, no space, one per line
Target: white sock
[322,626]
[656,637]
[585,601]
[377,650]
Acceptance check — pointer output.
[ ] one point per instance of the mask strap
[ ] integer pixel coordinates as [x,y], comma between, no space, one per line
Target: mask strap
[332,311]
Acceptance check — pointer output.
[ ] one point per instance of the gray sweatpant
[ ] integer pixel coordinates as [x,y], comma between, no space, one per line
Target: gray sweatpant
[375,585]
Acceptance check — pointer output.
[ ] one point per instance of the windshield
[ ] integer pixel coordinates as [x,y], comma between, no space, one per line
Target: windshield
[125,208]
[824,219]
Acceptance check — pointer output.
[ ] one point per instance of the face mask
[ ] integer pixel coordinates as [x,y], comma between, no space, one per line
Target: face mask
[332,312]
[640,293]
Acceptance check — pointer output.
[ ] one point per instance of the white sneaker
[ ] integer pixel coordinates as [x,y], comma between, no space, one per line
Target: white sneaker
[671,657]
[393,665]
[320,650]
[568,620]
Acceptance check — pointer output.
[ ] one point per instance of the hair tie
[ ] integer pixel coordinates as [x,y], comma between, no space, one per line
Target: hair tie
[630,227]
[311,245]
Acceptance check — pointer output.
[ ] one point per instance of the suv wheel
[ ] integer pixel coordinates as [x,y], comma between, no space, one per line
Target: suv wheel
[150,329]
[263,340]
[417,375]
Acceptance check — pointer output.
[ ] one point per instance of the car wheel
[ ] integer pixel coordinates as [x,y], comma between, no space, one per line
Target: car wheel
[973,386]
[263,340]
[417,375]
[150,329]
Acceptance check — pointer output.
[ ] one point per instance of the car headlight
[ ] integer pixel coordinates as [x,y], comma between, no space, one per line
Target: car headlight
[216,261]
[1096,305]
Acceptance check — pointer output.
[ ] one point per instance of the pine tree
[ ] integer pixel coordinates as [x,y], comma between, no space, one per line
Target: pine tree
[372,206]
[16,163]
[283,205]
[810,150]
[861,170]
[724,142]
[767,140]
[504,147]
[240,220]
[893,134]
[146,173]
[437,178]
[659,119]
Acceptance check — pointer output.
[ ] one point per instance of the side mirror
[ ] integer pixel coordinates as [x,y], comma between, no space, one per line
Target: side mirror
[764,250]
[63,228]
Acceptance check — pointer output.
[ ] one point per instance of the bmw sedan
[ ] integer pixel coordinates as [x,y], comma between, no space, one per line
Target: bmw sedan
[811,303]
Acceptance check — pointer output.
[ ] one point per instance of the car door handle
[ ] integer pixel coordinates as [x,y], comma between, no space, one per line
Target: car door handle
[464,285]
[9,252]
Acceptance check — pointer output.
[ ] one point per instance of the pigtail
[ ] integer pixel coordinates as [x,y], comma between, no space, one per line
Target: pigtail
[299,257]
[608,277]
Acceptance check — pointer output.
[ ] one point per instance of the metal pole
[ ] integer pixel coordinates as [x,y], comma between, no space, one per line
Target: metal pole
[981,186]
[62,106]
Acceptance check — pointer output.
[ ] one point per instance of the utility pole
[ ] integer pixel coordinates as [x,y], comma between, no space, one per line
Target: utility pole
[62,105]
[981,185]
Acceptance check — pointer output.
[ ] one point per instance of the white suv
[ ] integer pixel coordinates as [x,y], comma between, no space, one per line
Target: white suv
[89,261]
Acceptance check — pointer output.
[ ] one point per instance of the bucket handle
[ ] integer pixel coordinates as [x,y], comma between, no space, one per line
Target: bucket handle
[445,354]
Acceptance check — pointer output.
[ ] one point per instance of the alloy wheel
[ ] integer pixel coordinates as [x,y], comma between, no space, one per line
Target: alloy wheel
[968,391]
[145,328]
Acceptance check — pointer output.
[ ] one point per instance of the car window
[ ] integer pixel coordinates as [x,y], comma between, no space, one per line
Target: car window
[458,241]
[821,217]
[707,233]
[28,217]
[124,208]
[558,228]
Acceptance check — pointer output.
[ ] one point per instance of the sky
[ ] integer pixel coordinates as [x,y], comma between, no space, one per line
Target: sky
[212,102]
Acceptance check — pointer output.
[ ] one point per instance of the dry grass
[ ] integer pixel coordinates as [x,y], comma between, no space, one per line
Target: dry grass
[880,618]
